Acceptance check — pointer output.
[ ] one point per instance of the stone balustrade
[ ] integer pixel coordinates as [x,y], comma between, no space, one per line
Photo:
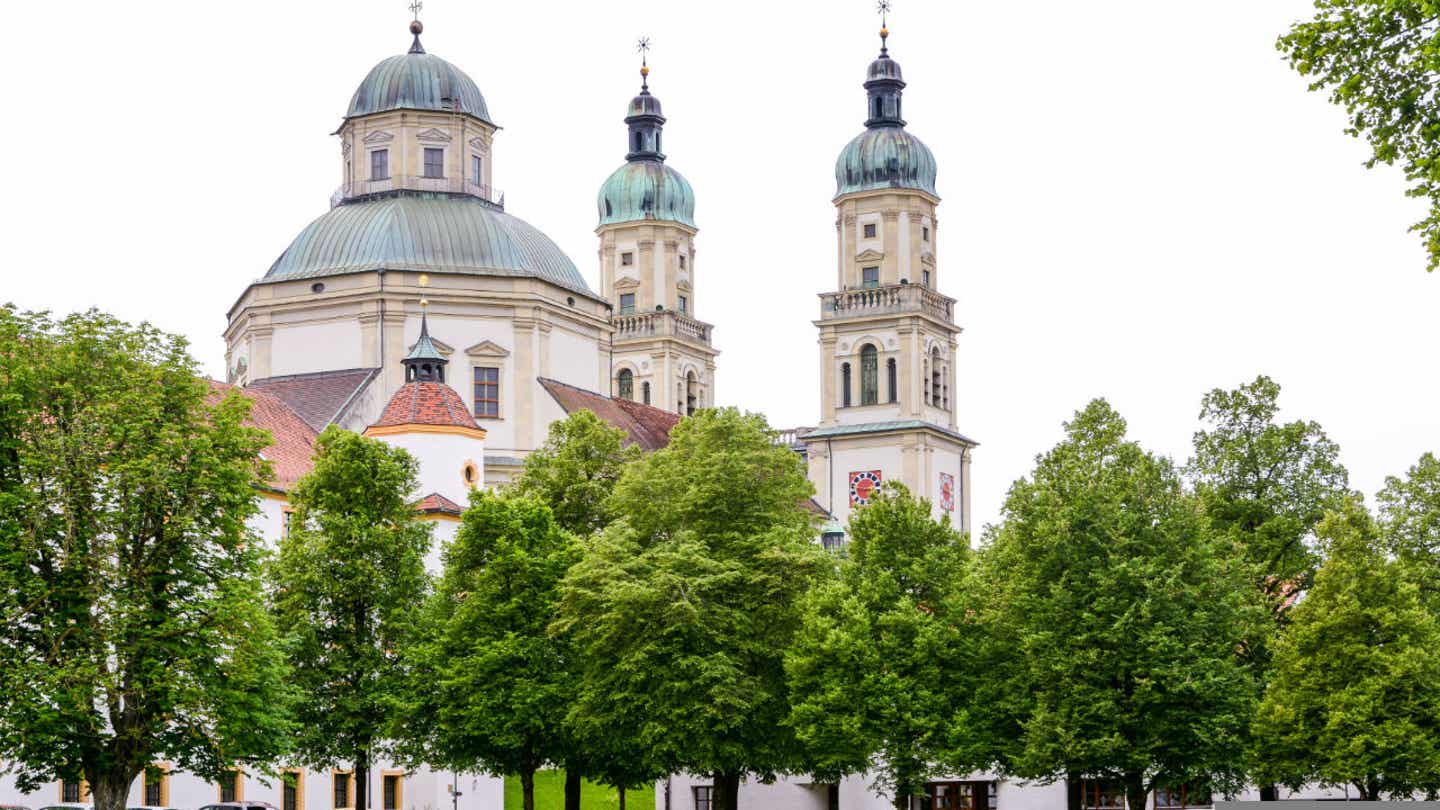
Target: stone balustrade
[663,323]
[890,299]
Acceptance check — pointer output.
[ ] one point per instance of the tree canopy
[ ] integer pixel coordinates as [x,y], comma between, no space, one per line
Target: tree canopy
[1410,524]
[133,624]
[1119,615]
[1355,698]
[1379,59]
[681,610]
[349,581]
[576,469]
[492,684]
[870,669]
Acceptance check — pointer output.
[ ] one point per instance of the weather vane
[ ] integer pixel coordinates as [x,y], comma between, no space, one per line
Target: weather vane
[643,47]
[883,7]
[415,7]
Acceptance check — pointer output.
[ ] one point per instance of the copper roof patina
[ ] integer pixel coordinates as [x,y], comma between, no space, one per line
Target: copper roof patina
[885,157]
[646,189]
[425,232]
[418,81]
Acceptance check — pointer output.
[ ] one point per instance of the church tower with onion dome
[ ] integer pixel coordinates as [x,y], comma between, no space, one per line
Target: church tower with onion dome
[662,353]
[887,334]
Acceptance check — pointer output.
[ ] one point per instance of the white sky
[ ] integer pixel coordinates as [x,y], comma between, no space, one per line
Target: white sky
[1141,201]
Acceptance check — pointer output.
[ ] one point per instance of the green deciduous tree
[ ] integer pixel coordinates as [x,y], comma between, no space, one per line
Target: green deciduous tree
[349,581]
[1380,59]
[574,473]
[132,626]
[871,670]
[682,610]
[1355,698]
[576,469]
[1121,613]
[492,685]
[1410,524]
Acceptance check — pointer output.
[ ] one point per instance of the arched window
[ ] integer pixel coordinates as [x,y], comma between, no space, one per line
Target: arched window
[876,114]
[893,379]
[692,394]
[645,392]
[844,385]
[625,384]
[869,375]
[639,142]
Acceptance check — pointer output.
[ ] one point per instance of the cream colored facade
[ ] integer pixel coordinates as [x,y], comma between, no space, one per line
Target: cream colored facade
[403,136]
[658,343]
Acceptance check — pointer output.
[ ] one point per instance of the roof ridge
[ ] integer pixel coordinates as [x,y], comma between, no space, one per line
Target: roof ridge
[306,374]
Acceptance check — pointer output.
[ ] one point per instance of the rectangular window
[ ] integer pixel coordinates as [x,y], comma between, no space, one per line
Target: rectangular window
[487,392]
[1181,798]
[154,789]
[684,304]
[341,790]
[627,303]
[230,787]
[925,277]
[1101,795]
[925,234]
[682,262]
[870,276]
[627,259]
[704,794]
[290,791]
[70,791]
[391,792]
[286,517]
[434,162]
[869,230]
[475,174]
[380,164]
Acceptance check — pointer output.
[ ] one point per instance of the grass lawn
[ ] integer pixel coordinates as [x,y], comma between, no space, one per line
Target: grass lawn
[550,794]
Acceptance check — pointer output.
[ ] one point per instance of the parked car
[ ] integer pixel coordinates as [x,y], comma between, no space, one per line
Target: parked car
[239,806]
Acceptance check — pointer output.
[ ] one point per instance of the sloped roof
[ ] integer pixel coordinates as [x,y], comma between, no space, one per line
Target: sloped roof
[318,398]
[435,503]
[648,427]
[426,403]
[292,451]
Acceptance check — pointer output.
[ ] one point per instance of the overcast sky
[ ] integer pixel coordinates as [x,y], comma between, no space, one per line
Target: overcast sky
[1141,200]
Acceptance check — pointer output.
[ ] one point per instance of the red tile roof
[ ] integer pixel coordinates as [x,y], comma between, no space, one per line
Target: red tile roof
[437,503]
[648,427]
[293,448]
[320,397]
[426,403]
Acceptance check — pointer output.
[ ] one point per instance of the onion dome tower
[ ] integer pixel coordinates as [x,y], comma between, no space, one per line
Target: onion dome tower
[663,355]
[887,336]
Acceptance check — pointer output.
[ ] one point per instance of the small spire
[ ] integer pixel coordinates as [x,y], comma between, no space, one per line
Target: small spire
[416,26]
[883,6]
[643,46]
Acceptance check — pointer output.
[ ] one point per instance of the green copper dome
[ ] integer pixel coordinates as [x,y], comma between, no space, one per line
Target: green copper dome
[885,157]
[431,232]
[646,189]
[417,81]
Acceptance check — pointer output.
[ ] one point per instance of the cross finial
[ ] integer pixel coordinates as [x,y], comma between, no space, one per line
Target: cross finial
[643,47]
[416,26]
[883,8]
[415,7]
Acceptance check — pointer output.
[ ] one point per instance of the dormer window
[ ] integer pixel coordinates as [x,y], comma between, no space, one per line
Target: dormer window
[434,162]
[870,230]
[380,164]
[627,259]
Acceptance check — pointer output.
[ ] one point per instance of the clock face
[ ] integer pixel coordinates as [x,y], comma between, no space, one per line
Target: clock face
[863,486]
[947,492]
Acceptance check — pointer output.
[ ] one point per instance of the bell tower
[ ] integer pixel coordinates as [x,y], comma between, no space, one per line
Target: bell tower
[887,334]
[662,352]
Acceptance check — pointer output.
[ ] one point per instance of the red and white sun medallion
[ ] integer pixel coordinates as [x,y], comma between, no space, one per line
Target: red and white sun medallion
[863,486]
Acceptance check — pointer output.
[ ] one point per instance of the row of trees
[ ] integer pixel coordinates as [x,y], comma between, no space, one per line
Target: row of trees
[626,617]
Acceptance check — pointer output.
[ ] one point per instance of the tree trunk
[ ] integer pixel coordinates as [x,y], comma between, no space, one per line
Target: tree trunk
[622,797]
[1135,792]
[572,789]
[902,800]
[362,781]
[1269,793]
[111,790]
[1074,792]
[527,789]
[726,791]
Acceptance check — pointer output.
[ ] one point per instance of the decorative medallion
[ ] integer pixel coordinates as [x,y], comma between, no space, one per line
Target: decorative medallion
[863,486]
[947,492]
